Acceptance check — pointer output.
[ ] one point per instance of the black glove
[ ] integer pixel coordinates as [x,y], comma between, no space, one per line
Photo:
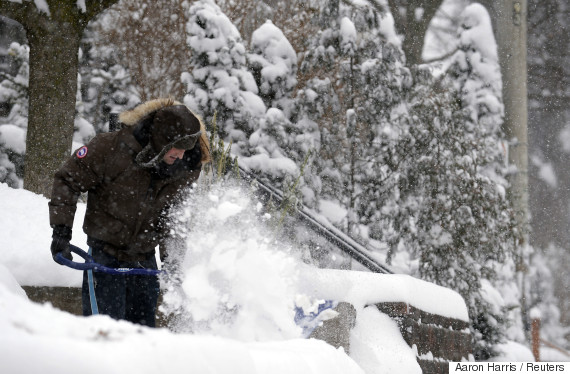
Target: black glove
[60,243]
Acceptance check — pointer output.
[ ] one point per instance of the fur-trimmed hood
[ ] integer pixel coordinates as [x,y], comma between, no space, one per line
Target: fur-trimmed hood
[147,110]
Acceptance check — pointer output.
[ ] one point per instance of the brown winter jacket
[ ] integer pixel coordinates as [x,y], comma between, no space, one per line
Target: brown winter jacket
[127,203]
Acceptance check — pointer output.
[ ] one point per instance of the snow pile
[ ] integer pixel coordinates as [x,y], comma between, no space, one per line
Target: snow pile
[62,343]
[394,355]
[363,288]
[26,239]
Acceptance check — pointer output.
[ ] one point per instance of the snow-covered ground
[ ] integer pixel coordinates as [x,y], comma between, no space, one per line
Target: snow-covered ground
[232,259]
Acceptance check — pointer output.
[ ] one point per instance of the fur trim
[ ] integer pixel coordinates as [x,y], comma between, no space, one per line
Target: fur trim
[204,142]
[133,116]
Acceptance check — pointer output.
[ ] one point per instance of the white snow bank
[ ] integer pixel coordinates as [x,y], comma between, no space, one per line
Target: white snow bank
[516,352]
[40,339]
[552,355]
[363,288]
[26,239]
[393,355]
[513,352]
[228,252]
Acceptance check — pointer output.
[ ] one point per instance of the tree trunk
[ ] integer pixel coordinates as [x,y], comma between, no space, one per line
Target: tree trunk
[412,19]
[54,37]
[52,89]
[510,29]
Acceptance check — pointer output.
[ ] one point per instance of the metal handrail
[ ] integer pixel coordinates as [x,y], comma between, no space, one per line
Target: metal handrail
[345,243]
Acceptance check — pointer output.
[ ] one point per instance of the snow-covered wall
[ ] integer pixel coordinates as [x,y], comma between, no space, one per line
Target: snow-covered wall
[363,288]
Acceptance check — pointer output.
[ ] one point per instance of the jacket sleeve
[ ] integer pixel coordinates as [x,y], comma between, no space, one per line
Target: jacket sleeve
[80,173]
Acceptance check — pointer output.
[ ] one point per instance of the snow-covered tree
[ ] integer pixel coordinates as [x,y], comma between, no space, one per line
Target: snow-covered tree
[442,196]
[268,149]
[440,205]
[355,80]
[279,146]
[13,126]
[148,38]
[106,85]
[13,96]
[217,80]
[273,62]
[54,33]
[476,75]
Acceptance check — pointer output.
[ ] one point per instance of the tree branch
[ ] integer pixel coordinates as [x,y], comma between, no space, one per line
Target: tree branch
[398,21]
[16,11]
[441,58]
[96,7]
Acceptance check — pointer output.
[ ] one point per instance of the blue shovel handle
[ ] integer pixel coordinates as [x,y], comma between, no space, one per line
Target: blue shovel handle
[90,264]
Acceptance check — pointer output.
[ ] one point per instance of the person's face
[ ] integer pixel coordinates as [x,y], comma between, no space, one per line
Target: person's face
[173,155]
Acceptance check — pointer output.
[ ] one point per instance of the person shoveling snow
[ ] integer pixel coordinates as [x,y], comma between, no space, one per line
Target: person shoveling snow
[132,177]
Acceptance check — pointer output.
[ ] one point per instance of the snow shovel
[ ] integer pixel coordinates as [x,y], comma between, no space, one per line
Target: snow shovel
[90,264]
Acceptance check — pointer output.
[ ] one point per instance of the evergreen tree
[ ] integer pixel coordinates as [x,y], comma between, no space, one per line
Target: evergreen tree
[14,88]
[268,149]
[442,207]
[278,146]
[475,74]
[442,191]
[355,81]
[218,81]
[106,85]
[13,96]
[273,62]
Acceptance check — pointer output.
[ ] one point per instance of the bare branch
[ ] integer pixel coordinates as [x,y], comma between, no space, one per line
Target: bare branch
[18,12]
[96,7]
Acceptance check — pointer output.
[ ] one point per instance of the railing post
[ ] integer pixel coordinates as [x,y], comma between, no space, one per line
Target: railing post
[535,336]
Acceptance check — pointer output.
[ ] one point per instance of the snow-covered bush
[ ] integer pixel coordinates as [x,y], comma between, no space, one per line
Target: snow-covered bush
[218,82]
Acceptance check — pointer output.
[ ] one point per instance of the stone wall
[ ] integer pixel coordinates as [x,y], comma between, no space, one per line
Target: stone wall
[64,298]
[69,299]
[438,340]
